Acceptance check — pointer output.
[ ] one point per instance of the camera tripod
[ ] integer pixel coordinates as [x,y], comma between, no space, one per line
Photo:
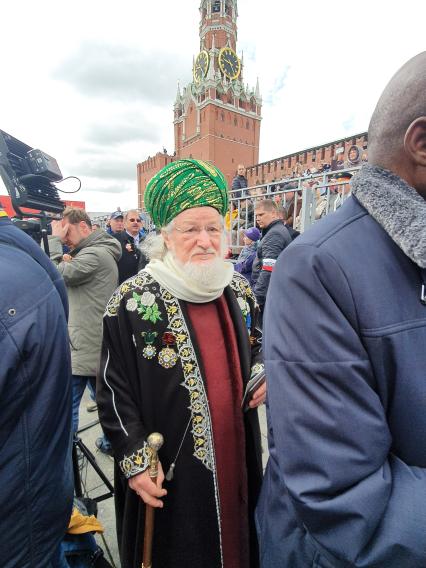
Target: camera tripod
[80,450]
[78,445]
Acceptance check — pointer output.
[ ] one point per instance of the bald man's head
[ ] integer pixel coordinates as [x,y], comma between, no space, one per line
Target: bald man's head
[401,103]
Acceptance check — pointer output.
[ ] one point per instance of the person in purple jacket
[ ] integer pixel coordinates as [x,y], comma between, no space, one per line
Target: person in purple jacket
[244,262]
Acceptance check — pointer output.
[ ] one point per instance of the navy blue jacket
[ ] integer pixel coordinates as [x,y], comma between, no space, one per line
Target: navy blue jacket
[345,354]
[36,483]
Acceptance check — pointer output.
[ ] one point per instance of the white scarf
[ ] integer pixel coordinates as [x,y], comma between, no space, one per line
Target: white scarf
[174,279]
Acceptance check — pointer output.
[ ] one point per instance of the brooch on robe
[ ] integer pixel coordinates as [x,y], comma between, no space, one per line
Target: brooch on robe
[168,356]
[149,351]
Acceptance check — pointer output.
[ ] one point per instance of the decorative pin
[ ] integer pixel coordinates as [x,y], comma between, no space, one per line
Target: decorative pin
[149,351]
[167,356]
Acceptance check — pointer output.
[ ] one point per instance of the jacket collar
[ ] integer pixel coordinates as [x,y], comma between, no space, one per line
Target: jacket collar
[266,229]
[396,206]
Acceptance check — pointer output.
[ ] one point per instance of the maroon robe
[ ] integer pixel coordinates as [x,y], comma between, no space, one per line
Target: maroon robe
[217,342]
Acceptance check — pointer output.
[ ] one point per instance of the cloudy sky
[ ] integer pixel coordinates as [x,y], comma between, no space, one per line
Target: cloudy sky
[93,82]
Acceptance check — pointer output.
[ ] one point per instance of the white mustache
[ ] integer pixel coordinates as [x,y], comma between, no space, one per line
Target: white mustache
[209,250]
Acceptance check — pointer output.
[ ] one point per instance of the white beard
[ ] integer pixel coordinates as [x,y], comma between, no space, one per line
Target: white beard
[206,275]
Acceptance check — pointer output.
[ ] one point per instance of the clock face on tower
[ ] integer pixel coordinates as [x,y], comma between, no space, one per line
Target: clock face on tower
[229,63]
[201,66]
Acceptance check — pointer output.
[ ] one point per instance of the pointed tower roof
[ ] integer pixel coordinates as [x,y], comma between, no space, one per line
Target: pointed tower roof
[257,92]
[178,94]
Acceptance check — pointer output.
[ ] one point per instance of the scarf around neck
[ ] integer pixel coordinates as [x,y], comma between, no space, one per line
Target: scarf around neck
[396,206]
[173,278]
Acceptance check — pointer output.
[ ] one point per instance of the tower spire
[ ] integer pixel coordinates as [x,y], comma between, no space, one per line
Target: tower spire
[178,94]
[257,92]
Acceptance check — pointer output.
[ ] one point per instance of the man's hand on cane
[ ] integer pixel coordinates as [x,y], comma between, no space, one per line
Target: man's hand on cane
[146,489]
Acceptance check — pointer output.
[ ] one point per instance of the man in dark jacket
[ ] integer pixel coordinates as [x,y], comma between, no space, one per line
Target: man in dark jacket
[275,238]
[345,355]
[239,183]
[132,259]
[36,483]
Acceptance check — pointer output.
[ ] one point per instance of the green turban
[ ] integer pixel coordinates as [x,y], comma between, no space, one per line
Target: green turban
[182,185]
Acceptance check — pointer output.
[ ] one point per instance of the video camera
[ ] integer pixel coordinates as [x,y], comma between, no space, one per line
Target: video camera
[28,175]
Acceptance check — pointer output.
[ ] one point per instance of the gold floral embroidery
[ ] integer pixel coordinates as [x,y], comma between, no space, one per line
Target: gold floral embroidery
[242,289]
[141,279]
[201,421]
[136,463]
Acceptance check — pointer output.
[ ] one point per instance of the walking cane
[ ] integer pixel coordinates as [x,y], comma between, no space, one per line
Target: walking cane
[155,441]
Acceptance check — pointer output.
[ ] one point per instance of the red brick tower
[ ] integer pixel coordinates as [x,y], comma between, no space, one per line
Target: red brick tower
[216,117]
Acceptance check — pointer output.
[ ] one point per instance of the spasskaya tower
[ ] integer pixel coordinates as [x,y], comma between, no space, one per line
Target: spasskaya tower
[216,117]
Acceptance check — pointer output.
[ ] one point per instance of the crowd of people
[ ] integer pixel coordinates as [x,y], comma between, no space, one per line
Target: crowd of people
[328,194]
[328,327]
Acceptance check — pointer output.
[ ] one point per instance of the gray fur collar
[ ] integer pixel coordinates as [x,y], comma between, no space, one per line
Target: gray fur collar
[396,206]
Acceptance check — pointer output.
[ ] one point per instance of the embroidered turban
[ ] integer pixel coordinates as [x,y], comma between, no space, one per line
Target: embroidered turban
[182,185]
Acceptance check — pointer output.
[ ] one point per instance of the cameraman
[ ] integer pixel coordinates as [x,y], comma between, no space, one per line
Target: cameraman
[36,482]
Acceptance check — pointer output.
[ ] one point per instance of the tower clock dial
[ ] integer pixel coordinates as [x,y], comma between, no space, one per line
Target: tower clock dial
[201,66]
[229,63]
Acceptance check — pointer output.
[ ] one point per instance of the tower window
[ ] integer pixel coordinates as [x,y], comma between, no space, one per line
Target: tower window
[228,8]
[216,6]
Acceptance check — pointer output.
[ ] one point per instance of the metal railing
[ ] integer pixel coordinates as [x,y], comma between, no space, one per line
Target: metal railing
[305,199]
[302,201]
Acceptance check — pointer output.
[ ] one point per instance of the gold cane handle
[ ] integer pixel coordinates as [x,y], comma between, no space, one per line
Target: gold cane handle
[155,441]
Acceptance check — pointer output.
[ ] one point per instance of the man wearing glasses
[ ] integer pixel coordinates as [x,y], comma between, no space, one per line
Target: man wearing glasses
[180,344]
[132,259]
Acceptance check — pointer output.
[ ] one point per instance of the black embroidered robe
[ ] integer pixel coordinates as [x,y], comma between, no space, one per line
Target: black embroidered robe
[138,395]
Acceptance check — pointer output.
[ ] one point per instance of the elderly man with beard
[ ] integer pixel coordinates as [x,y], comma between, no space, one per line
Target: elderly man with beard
[180,344]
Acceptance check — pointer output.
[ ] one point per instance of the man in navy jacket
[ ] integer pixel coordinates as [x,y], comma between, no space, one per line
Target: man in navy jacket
[345,354]
[36,483]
